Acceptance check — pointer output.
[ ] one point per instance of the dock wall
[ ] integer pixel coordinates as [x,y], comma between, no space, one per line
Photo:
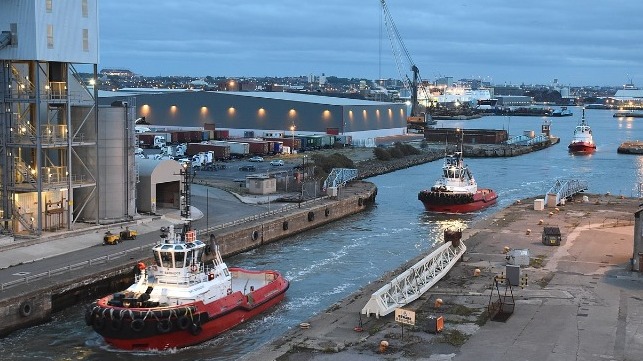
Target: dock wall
[34,303]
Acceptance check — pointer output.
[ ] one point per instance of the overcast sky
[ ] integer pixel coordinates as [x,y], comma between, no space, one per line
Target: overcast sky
[579,42]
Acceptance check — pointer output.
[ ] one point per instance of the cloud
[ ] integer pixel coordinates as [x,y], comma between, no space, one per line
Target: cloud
[578,42]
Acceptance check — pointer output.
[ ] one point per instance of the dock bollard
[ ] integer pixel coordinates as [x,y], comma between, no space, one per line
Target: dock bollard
[383,346]
[476,272]
[438,303]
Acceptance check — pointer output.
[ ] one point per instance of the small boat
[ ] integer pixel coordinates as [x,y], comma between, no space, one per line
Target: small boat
[562,112]
[181,300]
[456,191]
[583,142]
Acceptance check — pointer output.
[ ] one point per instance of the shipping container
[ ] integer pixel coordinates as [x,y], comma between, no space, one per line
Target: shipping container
[151,140]
[345,140]
[257,147]
[221,151]
[221,134]
[333,131]
[236,148]
[292,143]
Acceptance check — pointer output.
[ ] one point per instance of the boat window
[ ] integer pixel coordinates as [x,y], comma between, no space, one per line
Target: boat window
[190,258]
[179,257]
[166,259]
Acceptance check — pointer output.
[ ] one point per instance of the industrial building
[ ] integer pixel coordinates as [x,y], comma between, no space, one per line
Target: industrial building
[63,159]
[280,112]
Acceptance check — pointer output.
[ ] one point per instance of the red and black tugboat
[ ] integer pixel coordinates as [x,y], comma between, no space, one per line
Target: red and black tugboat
[180,300]
[583,141]
[456,191]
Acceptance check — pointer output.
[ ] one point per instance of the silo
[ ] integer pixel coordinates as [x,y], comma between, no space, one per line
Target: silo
[115,169]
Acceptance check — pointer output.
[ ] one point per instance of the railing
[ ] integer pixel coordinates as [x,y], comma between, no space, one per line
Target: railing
[525,140]
[339,177]
[565,188]
[72,267]
[105,259]
[414,282]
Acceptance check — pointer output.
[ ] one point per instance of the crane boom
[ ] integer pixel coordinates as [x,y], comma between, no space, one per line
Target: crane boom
[414,120]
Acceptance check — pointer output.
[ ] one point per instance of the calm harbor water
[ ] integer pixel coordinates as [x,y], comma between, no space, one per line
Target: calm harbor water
[331,262]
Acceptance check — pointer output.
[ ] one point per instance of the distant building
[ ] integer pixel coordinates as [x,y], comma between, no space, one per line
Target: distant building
[117,72]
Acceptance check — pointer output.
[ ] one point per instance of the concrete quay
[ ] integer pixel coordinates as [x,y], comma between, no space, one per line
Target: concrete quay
[578,301]
[40,277]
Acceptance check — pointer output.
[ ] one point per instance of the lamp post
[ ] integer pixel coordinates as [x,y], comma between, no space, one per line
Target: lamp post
[292,146]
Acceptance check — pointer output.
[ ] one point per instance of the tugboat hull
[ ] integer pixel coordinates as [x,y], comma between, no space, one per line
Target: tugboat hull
[450,202]
[581,147]
[164,328]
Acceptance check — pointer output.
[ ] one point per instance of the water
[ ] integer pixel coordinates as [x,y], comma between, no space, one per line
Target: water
[329,263]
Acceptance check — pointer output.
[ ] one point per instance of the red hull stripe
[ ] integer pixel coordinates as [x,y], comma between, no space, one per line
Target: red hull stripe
[479,202]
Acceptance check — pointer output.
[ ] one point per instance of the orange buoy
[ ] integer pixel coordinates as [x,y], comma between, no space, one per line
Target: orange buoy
[141,266]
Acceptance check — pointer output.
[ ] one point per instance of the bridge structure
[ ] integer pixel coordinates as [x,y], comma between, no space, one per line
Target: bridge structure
[414,282]
[338,177]
[564,189]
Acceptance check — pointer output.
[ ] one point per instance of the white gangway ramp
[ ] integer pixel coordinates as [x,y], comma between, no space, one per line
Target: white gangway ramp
[415,281]
[563,189]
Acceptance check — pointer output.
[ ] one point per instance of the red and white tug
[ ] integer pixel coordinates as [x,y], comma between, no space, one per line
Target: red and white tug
[583,141]
[456,191]
[180,300]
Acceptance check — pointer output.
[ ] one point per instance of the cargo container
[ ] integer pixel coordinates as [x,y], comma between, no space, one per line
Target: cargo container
[221,134]
[333,131]
[153,140]
[345,140]
[257,147]
[294,144]
[221,151]
[309,142]
[236,148]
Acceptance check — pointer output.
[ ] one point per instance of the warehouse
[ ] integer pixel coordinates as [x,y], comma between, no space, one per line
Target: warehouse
[242,112]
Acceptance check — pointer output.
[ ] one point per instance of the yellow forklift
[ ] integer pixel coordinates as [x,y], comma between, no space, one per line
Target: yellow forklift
[128,234]
[111,238]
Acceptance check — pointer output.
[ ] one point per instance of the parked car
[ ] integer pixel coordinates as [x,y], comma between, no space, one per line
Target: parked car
[249,168]
[277,162]
[256,159]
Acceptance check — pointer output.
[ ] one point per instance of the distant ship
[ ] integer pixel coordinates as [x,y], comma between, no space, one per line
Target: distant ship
[583,141]
[456,191]
[562,112]
[181,301]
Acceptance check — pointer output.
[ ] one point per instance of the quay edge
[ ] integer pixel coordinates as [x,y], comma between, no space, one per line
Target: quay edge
[33,303]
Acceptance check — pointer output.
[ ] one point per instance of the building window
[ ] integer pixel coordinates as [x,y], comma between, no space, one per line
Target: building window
[49,5]
[85,40]
[50,36]
[85,9]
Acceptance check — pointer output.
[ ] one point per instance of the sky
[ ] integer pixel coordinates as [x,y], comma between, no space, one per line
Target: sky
[578,42]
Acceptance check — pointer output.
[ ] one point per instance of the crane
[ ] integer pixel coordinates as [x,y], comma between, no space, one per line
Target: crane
[415,120]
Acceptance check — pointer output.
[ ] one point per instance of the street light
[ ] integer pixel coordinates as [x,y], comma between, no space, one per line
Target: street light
[292,146]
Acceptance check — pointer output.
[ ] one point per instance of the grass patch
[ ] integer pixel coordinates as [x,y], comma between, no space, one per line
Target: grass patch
[454,338]
[460,310]
[482,318]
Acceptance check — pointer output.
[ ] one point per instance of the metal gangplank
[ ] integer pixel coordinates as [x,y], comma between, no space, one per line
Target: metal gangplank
[414,282]
[525,140]
[339,177]
[563,189]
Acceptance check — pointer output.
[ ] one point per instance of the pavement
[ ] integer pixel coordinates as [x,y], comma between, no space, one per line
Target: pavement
[16,251]
[576,301]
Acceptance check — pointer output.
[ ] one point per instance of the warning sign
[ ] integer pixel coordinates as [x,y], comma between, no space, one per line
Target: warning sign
[405,316]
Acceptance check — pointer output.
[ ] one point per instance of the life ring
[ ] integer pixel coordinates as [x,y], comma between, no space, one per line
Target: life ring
[194,268]
[137,325]
[164,326]
[311,216]
[255,235]
[327,212]
[285,225]
[25,309]
[183,322]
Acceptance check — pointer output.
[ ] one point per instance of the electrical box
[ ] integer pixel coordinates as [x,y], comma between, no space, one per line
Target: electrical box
[436,324]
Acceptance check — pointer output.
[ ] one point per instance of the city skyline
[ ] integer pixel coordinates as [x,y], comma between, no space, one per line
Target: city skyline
[578,43]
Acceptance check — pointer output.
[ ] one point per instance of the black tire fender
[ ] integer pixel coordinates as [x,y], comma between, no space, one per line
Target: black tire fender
[26,308]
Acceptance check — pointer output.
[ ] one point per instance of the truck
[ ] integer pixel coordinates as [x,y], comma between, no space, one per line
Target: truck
[292,143]
[202,160]
[153,140]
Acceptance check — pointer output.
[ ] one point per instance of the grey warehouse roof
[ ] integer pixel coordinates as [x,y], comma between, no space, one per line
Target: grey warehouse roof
[307,98]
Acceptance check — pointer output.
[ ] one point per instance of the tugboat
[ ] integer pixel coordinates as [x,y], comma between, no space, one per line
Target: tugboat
[583,142]
[181,300]
[456,191]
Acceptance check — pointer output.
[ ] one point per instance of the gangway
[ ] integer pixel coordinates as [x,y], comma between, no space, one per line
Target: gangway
[526,140]
[563,189]
[339,177]
[414,282]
